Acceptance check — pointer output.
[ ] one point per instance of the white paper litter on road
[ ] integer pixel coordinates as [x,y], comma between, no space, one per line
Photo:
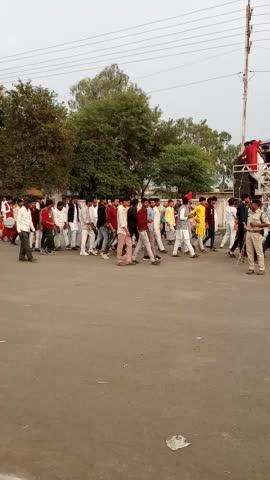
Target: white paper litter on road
[2,341]
[9,477]
[102,382]
[177,442]
[199,338]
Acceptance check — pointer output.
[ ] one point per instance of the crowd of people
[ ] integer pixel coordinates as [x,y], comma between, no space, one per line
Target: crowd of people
[129,229]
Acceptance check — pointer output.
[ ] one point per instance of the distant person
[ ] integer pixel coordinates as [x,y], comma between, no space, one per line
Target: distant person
[132,219]
[102,237]
[170,222]
[74,222]
[143,242]
[231,224]
[210,222]
[61,225]
[257,221]
[123,234]
[182,230]
[199,216]
[24,226]
[242,217]
[158,225]
[48,226]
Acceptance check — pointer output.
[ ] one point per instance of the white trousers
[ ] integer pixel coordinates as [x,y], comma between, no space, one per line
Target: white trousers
[183,237]
[35,236]
[73,238]
[85,235]
[143,242]
[157,233]
[229,235]
[61,238]
[92,239]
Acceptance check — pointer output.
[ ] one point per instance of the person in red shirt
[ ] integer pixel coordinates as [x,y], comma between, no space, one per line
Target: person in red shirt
[111,214]
[210,221]
[143,242]
[48,226]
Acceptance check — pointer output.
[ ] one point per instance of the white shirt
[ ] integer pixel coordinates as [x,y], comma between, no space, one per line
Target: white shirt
[84,217]
[122,219]
[59,217]
[24,220]
[157,218]
[93,214]
[231,214]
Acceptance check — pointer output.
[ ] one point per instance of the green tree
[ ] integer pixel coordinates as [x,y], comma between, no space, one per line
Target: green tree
[184,168]
[217,144]
[110,81]
[134,136]
[36,140]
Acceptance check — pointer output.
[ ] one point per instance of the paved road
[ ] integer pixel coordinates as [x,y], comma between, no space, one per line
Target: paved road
[101,364]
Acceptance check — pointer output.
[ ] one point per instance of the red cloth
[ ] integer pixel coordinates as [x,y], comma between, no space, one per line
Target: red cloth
[142,221]
[47,219]
[112,216]
[188,196]
[251,154]
[9,232]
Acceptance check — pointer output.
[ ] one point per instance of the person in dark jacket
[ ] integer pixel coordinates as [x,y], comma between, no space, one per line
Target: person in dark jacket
[102,230]
[132,219]
[210,221]
[242,217]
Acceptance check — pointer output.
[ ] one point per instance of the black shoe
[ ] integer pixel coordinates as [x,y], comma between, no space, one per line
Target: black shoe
[22,260]
[32,260]
[37,250]
[146,257]
[74,248]
[157,257]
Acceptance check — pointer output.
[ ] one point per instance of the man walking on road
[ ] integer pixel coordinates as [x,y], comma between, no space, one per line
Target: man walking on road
[143,242]
[24,226]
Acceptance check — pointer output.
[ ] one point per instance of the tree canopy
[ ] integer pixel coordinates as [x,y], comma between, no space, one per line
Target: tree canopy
[36,140]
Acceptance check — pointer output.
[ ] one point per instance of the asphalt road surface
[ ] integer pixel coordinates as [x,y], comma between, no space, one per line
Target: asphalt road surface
[99,365]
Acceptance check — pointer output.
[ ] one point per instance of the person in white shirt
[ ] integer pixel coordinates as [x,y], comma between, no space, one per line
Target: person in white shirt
[157,226]
[85,226]
[123,235]
[60,220]
[24,226]
[73,221]
[182,230]
[231,224]
[93,216]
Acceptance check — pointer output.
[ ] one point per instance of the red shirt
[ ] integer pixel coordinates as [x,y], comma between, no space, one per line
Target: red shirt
[47,219]
[251,152]
[142,221]
[112,216]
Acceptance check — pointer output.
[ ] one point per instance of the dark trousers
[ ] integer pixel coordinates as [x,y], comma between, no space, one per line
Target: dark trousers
[133,230]
[239,241]
[210,236]
[112,235]
[266,244]
[25,250]
[47,242]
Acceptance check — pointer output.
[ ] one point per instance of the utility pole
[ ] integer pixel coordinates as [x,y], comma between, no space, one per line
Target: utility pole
[248,44]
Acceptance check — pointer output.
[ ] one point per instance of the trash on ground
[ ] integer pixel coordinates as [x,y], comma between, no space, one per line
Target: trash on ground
[199,338]
[2,341]
[9,477]
[125,365]
[177,442]
[102,382]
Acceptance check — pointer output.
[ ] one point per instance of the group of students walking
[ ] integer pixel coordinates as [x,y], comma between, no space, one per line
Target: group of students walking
[99,227]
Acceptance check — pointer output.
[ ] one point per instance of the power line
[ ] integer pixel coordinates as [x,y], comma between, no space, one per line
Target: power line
[137,51]
[194,83]
[97,66]
[231,2]
[188,64]
[133,42]
[113,59]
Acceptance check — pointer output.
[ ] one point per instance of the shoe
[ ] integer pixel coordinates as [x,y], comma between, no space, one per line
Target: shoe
[250,272]
[163,251]
[135,262]
[37,250]
[74,248]
[44,252]
[195,255]
[105,256]
[261,272]
[33,260]
[84,254]
[146,257]
[231,254]
[156,262]
[22,260]
[93,252]
[68,247]
[157,257]
[175,256]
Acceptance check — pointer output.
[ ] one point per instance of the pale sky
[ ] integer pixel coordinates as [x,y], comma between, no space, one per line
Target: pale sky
[33,24]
